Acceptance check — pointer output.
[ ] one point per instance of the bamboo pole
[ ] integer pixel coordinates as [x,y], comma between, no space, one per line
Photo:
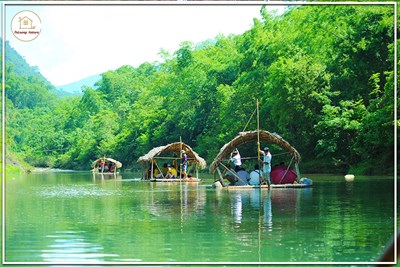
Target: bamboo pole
[297,171]
[180,156]
[158,168]
[220,174]
[152,169]
[258,141]
[234,173]
[259,181]
[283,176]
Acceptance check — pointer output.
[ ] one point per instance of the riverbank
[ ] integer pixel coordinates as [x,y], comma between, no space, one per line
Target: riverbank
[17,165]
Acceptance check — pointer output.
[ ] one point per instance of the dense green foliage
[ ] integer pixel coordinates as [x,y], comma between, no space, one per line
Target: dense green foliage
[323,75]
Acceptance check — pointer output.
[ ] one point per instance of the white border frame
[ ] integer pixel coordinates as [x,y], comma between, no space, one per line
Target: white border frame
[272,3]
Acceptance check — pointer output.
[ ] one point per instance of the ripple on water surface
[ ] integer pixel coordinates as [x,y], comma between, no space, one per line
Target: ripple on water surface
[75,191]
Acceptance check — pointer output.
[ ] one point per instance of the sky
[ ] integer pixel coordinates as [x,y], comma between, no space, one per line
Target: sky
[77,41]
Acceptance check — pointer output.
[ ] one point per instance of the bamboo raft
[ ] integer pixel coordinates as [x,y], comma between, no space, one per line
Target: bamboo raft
[106,161]
[246,187]
[177,180]
[151,164]
[290,185]
[252,187]
[219,169]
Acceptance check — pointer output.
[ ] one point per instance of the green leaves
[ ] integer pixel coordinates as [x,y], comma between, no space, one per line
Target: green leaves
[323,75]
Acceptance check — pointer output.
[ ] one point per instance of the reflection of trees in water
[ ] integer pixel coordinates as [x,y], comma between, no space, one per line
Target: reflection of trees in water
[176,199]
[108,179]
[259,217]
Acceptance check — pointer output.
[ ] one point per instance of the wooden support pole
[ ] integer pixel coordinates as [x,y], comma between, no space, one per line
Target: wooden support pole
[297,171]
[220,174]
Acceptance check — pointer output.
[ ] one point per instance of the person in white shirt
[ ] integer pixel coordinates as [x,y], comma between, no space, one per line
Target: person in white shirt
[235,158]
[267,164]
[256,176]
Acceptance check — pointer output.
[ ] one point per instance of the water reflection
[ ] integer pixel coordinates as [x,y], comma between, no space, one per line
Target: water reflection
[237,207]
[267,219]
[257,201]
[171,199]
[287,202]
[107,177]
[72,246]
[71,218]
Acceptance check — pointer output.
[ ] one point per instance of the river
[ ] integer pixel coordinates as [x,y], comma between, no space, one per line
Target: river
[73,217]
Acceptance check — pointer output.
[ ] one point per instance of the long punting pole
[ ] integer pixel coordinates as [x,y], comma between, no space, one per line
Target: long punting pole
[258,140]
[259,180]
[152,169]
[180,156]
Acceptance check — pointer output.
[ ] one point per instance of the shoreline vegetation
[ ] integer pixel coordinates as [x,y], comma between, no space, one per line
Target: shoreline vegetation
[324,76]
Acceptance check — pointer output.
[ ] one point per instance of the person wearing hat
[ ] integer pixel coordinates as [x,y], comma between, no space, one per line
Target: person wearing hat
[184,164]
[236,159]
[267,164]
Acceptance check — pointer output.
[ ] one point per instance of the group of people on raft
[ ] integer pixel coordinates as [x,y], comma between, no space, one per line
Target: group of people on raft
[169,171]
[104,166]
[237,174]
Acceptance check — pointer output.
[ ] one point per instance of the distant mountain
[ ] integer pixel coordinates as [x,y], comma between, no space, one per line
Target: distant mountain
[75,88]
[21,68]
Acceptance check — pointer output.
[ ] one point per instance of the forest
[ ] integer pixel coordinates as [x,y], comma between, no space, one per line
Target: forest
[324,77]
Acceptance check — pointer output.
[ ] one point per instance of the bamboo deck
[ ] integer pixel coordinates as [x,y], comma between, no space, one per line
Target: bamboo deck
[105,173]
[187,180]
[247,187]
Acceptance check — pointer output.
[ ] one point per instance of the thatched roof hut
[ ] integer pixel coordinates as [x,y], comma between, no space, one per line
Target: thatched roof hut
[97,162]
[252,136]
[173,148]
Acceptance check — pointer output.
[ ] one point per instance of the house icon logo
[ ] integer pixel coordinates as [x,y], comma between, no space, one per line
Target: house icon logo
[26,26]
[25,23]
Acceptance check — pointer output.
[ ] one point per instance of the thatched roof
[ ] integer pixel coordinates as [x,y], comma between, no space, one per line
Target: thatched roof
[117,163]
[251,136]
[174,148]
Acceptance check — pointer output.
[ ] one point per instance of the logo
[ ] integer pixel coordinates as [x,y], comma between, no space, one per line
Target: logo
[26,26]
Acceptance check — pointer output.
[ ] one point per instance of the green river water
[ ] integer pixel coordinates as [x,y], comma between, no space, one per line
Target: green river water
[71,217]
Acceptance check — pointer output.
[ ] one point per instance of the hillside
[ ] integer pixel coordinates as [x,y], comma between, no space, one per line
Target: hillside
[25,87]
[19,65]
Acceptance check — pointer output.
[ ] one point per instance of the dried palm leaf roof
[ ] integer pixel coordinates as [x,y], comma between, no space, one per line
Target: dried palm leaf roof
[251,136]
[117,163]
[174,148]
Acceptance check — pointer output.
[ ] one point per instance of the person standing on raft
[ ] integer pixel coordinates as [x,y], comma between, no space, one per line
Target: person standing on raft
[184,164]
[267,164]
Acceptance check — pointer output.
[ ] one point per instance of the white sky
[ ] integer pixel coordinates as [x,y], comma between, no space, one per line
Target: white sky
[78,41]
